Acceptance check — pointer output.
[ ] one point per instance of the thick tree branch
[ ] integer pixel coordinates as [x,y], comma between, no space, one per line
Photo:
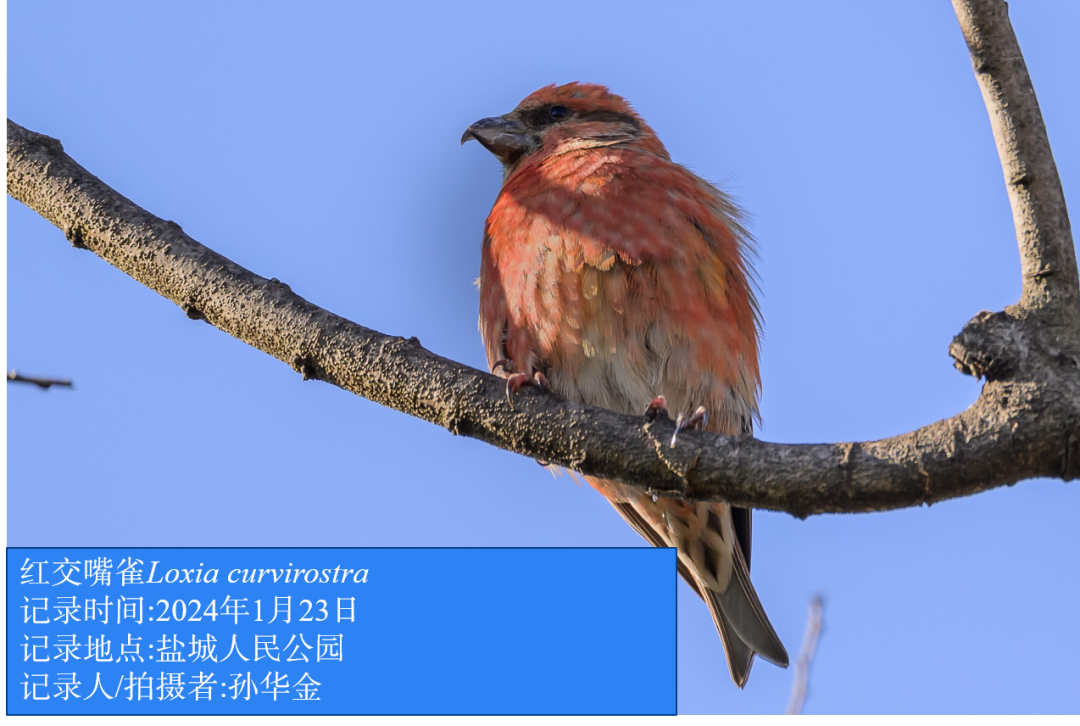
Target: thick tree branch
[1025,423]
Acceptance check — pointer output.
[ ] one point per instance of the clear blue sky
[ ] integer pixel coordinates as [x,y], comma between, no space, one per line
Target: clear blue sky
[319,145]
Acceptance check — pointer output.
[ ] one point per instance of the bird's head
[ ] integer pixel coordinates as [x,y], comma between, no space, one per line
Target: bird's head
[558,119]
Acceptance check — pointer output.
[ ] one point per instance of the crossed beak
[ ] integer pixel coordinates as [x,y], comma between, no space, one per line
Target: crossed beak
[503,137]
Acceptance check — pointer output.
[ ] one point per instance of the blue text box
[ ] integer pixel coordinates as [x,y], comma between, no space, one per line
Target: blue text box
[341,631]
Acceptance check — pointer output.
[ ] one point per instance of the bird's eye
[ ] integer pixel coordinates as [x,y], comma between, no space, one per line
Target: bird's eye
[558,112]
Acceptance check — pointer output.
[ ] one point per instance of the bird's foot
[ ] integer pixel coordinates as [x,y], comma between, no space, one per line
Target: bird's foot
[696,420]
[518,380]
[657,408]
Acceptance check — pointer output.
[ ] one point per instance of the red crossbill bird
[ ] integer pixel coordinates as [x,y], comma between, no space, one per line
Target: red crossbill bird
[618,278]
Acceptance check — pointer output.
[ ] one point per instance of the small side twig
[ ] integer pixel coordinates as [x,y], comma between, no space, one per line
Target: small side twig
[43,383]
[806,656]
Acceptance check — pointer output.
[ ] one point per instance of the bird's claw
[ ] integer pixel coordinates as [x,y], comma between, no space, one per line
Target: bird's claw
[696,420]
[516,381]
[657,408]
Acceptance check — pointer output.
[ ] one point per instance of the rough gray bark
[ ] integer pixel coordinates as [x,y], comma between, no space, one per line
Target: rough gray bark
[1025,423]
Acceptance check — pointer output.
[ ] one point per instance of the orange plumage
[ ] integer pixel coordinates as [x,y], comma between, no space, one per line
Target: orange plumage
[621,276]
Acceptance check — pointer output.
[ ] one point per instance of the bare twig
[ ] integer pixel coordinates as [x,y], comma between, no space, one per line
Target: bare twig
[801,677]
[1025,424]
[45,383]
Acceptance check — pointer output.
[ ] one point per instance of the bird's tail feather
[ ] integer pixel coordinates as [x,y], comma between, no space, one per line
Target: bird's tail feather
[738,611]
[740,656]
